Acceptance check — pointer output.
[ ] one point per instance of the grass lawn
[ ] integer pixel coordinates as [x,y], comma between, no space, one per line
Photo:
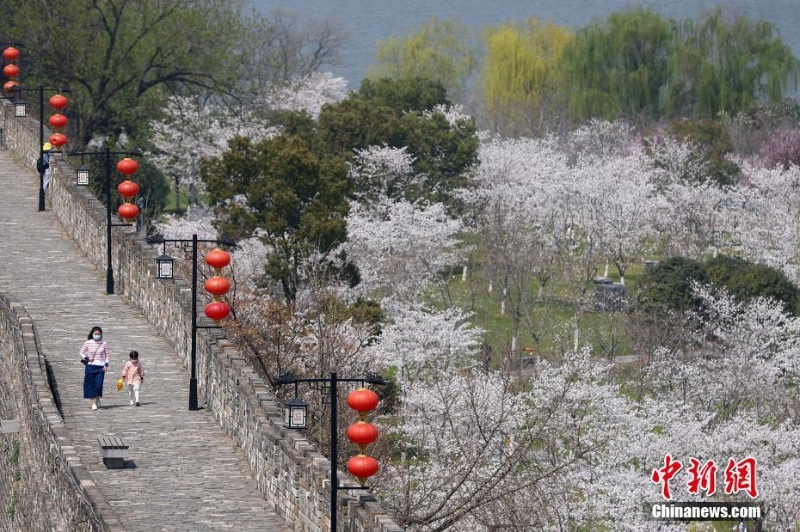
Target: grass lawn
[604,331]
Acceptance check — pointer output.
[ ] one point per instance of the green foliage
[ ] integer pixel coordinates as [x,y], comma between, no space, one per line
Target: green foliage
[442,51]
[715,143]
[356,124]
[727,63]
[15,452]
[638,64]
[523,76]
[746,280]
[377,116]
[618,68]
[404,95]
[283,188]
[668,285]
[119,57]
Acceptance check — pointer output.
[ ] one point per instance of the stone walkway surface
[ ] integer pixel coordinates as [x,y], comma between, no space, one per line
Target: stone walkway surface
[185,472]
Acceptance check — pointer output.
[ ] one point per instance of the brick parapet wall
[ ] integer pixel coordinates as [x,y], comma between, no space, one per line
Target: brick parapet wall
[44,485]
[289,470]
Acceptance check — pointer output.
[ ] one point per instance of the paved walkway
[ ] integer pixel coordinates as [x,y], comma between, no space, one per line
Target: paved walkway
[188,474]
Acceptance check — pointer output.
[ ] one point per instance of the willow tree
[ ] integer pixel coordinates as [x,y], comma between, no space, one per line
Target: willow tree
[728,64]
[523,76]
[440,50]
[618,68]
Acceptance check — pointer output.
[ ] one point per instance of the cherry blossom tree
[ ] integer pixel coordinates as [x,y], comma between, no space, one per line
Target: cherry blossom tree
[308,93]
[401,248]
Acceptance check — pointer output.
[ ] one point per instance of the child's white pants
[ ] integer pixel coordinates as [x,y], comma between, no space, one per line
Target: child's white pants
[133,391]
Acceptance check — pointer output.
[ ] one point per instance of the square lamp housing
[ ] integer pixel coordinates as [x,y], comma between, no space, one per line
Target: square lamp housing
[294,413]
[164,267]
[82,176]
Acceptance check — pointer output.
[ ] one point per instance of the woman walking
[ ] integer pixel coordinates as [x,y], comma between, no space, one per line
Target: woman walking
[96,355]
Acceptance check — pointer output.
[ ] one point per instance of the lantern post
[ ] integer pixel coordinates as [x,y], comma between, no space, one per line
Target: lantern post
[127,211]
[11,70]
[56,139]
[218,286]
[356,403]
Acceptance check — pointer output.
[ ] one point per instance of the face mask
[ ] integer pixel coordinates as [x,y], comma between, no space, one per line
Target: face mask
[96,337]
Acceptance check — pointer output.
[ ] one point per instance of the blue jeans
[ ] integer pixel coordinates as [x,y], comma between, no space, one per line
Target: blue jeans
[93,381]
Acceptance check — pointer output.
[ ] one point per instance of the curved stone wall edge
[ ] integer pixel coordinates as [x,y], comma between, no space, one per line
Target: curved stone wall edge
[55,490]
[288,469]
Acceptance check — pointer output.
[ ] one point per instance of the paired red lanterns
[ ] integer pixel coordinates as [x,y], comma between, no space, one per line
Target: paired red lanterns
[362,434]
[9,86]
[217,285]
[128,211]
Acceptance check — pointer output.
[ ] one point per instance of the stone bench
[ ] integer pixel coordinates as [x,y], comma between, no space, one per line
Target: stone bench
[114,451]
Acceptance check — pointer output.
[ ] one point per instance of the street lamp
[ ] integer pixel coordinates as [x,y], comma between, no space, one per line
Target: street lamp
[361,433]
[127,211]
[216,310]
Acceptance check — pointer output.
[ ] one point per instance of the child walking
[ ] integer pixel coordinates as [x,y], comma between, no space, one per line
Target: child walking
[134,373]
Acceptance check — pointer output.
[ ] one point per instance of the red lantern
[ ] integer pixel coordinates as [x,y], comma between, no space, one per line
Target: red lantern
[10,86]
[58,139]
[217,310]
[128,211]
[58,120]
[217,285]
[218,259]
[127,166]
[58,101]
[362,433]
[11,71]
[128,189]
[11,53]
[362,467]
[362,400]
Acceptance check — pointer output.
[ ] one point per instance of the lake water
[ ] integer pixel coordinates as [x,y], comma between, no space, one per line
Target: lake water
[368,22]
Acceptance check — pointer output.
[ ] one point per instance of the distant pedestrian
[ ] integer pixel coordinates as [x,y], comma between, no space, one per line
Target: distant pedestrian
[133,373]
[96,355]
[45,165]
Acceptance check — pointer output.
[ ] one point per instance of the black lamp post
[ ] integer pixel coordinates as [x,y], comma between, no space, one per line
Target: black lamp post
[295,418]
[82,178]
[164,270]
[20,110]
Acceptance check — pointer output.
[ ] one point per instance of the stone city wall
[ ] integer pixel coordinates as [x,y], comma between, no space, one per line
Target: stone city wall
[43,485]
[289,470]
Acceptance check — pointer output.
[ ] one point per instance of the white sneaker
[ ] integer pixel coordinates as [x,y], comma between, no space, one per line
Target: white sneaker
[131,403]
[94,406]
